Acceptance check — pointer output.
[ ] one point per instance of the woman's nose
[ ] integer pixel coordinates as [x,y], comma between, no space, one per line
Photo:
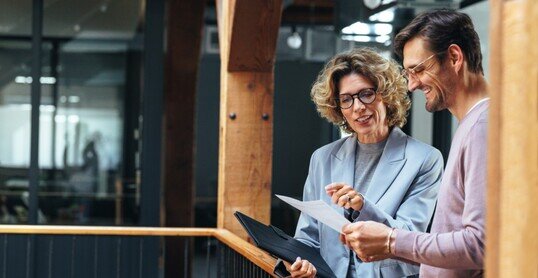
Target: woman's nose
[357,104]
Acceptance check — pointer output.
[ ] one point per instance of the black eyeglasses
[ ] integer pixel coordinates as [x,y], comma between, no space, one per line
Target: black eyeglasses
[366,96]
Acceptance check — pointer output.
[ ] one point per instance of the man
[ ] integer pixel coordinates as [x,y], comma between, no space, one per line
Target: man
[441,57]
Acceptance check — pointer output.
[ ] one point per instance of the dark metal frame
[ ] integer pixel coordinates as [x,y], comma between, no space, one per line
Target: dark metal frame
[152,101]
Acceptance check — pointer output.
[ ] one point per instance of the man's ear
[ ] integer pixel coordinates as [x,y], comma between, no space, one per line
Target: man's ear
[455,57]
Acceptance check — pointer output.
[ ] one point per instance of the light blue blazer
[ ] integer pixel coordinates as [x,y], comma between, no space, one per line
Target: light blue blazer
[402,194]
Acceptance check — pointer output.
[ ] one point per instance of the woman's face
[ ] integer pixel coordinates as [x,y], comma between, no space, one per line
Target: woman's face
[367,120]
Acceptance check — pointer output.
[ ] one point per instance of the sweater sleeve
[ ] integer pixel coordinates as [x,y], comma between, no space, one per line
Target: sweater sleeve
[461,249]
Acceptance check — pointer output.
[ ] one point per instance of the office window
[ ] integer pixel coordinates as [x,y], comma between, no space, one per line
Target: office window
[89,112]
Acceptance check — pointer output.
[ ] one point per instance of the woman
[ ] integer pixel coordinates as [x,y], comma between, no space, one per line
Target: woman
[378,173]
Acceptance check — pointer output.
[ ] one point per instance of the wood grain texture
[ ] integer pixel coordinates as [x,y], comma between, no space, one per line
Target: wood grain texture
[248,38]
[494,140]
[254,254]
[253,35]
[245,149]
[515,185]
[99,230]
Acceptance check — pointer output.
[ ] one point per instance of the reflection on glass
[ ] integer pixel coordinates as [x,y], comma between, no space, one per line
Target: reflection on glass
[83,130]
[14,130]
[88,114]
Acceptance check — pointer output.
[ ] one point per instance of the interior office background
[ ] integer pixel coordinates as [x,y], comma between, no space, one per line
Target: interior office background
[90,139]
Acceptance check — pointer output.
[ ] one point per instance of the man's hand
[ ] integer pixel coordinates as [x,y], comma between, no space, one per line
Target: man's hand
[301,269]
[344,196]
[369,240]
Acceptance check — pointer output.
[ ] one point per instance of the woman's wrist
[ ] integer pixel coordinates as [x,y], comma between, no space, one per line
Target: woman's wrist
[359,203]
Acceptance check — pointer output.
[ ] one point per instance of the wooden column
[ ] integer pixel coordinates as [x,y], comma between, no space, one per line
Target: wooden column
[248,32]
[512,231]
[184,36]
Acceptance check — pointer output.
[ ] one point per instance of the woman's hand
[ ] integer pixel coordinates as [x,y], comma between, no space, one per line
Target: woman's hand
[301,269]
[344,196]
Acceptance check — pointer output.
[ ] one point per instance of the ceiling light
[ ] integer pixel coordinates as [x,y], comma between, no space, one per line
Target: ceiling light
[382,28]
[382,39]
[357,38]
[384,16]
[357,28]
[48,80]
[73,99]
[294,40]
[372,4]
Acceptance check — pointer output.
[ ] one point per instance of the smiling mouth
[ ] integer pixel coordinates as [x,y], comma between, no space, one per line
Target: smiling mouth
[364,119]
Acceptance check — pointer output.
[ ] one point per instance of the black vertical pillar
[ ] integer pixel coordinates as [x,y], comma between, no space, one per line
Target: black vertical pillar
[152,113]
[35,99]
[442,132]
[37,24]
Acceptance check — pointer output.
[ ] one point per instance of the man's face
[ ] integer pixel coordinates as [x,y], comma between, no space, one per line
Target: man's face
[430,76]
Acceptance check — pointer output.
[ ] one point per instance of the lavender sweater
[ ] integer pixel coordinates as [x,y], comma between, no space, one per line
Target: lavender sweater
[455,246]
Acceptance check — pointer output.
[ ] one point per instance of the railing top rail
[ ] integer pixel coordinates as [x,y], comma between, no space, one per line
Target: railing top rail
[249,251]
[105,231]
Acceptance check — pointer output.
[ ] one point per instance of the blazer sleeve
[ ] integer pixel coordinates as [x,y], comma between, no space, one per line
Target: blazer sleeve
[416,209]
[307,230]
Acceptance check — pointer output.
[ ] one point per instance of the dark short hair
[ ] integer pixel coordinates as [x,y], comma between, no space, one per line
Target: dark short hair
[441,28]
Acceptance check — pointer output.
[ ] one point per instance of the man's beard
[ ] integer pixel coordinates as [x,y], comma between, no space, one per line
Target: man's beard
[438,103]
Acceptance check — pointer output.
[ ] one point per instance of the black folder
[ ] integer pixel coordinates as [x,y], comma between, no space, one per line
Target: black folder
[281,245]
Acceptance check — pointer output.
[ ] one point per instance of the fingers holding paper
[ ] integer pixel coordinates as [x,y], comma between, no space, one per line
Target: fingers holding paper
[344,195]
[369,240]
[301,269]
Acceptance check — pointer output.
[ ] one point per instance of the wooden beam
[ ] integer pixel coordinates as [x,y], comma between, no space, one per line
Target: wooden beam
[254,254]
[253,35]
[248,39]
[512,245]
[184,36]
[492,255]
[105,231]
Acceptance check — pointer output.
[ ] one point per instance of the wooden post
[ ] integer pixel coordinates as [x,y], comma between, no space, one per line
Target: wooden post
[248,32]
[184,36]
[512,231]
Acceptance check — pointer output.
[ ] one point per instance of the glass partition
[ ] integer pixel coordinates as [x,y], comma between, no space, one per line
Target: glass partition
[89,112]
[83,130]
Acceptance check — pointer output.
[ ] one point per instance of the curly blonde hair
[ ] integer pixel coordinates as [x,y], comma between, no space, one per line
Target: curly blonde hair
[383,73]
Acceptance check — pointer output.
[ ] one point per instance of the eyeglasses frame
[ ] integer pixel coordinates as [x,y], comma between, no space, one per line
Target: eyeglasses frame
[357,96]
[406,73]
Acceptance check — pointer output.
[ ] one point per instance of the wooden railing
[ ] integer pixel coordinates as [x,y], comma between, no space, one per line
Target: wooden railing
[251,253]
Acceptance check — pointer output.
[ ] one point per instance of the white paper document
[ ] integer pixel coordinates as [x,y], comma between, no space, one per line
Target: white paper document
[318,210]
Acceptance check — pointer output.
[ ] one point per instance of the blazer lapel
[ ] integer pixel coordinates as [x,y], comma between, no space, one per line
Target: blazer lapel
[390,164]
[343,163]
